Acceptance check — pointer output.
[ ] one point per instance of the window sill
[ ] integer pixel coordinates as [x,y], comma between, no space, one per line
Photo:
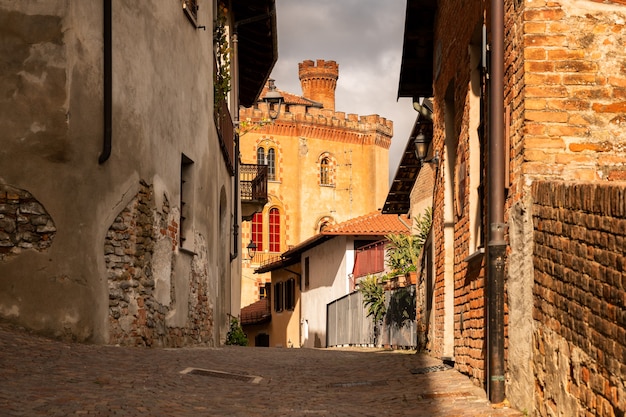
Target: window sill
[475,256]
[187,251]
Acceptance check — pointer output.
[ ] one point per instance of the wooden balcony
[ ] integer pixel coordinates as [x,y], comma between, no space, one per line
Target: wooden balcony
[253,189]
[226,134]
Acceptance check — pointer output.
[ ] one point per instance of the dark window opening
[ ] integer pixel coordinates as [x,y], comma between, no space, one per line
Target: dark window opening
[271,164]
[278,297]
[290,294]
[306,273]
[325,172]
[186,198]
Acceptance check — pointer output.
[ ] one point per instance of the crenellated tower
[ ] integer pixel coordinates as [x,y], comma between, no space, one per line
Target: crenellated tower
[319,80]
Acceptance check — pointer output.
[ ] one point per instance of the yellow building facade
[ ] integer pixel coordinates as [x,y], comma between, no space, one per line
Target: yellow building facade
[324,167]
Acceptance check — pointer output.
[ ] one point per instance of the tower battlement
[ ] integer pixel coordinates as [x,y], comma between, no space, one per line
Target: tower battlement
[319,80]
[323,117]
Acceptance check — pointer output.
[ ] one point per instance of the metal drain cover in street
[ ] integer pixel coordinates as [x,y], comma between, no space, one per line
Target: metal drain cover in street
[430,369]
[356,384]
[253,379]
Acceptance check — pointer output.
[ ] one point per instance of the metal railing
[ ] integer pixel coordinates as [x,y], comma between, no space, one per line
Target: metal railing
[253,183]
[226,133]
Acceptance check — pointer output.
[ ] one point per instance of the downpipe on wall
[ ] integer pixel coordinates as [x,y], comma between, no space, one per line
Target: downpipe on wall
[235,114]
[496,248]
[107,81]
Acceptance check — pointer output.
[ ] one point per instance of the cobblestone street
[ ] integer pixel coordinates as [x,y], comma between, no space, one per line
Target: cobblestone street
[42,377]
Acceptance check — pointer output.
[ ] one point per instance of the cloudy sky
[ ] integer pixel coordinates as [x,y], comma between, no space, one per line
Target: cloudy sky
[365,38]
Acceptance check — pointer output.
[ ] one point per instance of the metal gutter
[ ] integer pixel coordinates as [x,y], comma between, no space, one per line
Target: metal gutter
[107,81]
[496,248]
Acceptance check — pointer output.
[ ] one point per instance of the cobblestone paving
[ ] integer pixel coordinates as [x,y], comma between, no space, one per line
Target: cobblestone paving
[42,377]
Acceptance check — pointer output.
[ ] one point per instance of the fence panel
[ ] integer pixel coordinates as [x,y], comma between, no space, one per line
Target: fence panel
[348,324]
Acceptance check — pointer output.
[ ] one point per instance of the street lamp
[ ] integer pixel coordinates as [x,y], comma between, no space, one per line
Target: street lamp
[273,100]
[251,249]
[422,143]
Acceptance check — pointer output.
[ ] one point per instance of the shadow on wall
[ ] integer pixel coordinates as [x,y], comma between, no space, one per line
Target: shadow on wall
[401,310]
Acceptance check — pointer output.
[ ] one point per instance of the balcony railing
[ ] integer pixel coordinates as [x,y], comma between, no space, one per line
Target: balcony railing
[226,133]
[253,183]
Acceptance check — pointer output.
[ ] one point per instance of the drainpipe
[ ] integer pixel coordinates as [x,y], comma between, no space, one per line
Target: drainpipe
[235,115]
[107,81]
[496,248]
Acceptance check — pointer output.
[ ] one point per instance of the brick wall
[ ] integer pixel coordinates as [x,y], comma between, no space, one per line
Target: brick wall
[139,251]
[24,223]
[452,78]
[575,87]
[580,298]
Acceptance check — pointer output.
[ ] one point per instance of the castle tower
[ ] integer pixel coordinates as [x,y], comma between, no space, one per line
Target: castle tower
[319,80]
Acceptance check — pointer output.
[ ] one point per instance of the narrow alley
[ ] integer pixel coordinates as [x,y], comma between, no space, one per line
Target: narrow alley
[43,377]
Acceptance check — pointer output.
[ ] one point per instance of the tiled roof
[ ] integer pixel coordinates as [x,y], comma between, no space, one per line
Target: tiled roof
[256,313]
[289,98]
[371,224]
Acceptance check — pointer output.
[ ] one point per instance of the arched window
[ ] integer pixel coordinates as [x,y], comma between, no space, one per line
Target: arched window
[271,164]
[268,159]
[257,230]
[325,171]
[260,156]
[274,236]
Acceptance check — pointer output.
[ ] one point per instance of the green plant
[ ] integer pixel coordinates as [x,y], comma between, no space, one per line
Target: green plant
[404,250]
[221,83]
[235,335]
[373,297]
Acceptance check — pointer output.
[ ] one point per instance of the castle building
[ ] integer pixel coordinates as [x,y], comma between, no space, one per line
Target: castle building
[324,167]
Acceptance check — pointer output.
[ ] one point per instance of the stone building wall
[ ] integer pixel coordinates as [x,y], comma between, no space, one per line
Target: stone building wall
[358,148]
[139,251]
[24,223]
[580,298]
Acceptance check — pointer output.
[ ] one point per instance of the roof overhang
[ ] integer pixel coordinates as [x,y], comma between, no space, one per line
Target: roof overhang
[416,71]
[255,21]
[292,256]
[399,197]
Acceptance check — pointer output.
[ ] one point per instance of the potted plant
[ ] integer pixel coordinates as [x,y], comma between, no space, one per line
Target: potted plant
[404,249]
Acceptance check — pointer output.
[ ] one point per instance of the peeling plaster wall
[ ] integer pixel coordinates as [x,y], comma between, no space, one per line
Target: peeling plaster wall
[51,118]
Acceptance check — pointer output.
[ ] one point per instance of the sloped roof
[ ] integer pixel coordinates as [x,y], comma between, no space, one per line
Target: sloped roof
[372,224]
[289,98]
[256,313]
[416,68]
[258,46]
[398,199]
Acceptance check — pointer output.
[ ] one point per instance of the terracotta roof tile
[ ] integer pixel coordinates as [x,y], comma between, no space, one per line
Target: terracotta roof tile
[374,223]
[258,312]
[291,98]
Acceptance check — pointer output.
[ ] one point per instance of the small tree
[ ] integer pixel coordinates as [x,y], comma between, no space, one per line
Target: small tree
[404,250]
[235,335]
[373,298]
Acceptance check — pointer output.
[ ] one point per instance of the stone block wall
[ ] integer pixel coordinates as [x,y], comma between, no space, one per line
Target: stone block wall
[579,352]
[140,250]
[24,223]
